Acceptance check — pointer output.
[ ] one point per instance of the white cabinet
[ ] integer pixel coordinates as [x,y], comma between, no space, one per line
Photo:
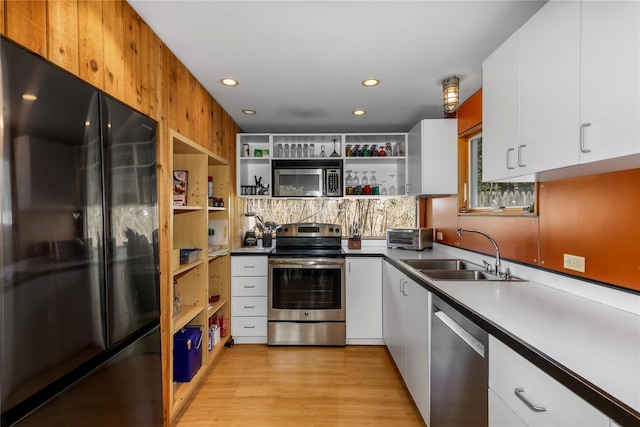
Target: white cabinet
[574,109]
[500,415]
[249,305]
[432,157]
[389,170]
[549,87]
[253,154]
[364,300]
[609,79]
[406,332]
[517,381]
[501,112]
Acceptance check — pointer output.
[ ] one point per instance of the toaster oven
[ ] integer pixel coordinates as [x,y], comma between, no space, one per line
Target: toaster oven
[415,238]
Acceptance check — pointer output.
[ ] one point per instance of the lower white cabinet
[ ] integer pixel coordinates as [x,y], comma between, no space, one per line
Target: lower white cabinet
[406,329]
[249,305]
[500,415]
[522,387]
[364,300]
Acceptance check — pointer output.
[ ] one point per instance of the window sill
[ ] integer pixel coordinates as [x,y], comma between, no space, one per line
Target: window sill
[501,212]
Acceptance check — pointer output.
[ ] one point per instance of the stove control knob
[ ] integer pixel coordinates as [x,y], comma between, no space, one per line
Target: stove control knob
[286,229]
[337,230]
[330,229]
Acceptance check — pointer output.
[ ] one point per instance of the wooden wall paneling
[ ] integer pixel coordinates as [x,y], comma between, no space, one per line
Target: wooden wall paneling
[181,101]
[145,67]
[26,24]
[211,131]
[595,217]
[132,58]
[172,92]
[113,59]
[470,114]
[217,125]
[157,77]
[442,215]
[192,105]
[62,34]
[2,17]
[90,43]
[517,237]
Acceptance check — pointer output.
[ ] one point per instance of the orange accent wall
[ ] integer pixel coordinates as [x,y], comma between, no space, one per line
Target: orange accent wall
[597,217]
[470,113]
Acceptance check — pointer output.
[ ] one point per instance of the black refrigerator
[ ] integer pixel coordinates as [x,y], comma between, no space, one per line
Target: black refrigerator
[79,285]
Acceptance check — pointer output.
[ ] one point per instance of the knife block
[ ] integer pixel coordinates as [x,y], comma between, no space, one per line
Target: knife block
[354,244]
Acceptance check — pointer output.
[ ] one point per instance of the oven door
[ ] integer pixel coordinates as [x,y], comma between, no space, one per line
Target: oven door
[306,289]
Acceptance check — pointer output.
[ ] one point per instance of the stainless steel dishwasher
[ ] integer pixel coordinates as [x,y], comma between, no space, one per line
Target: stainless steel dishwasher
[459,369]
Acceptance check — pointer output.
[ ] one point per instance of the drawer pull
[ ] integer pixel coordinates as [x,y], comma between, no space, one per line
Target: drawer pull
[249,306]
[519,393]
[249,266]
[250,327]
[249,286]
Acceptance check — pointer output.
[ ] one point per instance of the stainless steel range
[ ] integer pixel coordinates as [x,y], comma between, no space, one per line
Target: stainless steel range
[307,286]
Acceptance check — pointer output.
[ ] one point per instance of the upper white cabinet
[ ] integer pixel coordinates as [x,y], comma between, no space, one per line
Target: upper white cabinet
[551,105]
[609,80]
[432,157]
[501,112]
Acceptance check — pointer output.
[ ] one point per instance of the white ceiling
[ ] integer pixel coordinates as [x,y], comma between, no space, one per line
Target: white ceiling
[300,64]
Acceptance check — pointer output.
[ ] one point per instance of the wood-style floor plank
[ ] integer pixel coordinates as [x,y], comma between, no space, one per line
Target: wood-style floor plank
[262,386]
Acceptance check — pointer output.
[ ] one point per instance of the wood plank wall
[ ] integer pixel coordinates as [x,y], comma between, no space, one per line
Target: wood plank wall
[107,44]
[592,216]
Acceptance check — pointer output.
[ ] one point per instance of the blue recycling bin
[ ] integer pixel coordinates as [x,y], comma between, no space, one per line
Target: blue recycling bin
[187,353]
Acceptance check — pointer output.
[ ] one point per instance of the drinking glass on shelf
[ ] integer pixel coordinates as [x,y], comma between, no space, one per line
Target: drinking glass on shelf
[356,180]
[286,150]
[348,179]
[305,150]
[312,150]
[384,190]
[334,153]
[322,153]
[299,150]
[365,180]
[392,188]
[279,151]
[373,180]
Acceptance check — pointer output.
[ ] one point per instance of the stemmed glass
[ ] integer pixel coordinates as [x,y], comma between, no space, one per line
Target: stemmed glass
[365,180]
[384,190]
[356,180]
[349,179]
[335,153]
[373,180]
[392,188]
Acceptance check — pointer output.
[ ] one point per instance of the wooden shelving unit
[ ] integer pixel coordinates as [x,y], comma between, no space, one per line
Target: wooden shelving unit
[210,274]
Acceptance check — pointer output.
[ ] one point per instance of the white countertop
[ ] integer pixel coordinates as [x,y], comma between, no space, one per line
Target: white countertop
[598,342]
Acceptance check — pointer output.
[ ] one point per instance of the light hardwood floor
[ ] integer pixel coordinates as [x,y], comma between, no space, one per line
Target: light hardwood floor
[257,385]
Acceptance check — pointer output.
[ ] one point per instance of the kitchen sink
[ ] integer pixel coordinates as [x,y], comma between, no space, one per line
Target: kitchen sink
[441,264]
[465,275]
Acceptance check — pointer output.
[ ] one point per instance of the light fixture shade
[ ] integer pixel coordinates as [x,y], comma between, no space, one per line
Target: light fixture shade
[450,94]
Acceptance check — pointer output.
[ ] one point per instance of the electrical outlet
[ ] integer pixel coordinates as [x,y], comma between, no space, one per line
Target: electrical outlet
[439,235]
[574,262]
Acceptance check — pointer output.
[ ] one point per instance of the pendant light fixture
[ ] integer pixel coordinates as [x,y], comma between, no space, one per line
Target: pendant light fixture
[450,95]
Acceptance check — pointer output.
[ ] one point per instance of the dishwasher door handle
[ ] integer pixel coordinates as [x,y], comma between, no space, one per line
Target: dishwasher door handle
[461,332]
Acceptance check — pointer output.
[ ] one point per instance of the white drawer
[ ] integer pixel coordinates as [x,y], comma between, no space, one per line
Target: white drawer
[249,286]
[249,306]
[249,265]
[249,326]
[509,371]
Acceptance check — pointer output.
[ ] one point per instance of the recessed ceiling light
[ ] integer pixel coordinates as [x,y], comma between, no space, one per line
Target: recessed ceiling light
[358,112]
[370,82]
[229,82]
[29,97]
[249,112]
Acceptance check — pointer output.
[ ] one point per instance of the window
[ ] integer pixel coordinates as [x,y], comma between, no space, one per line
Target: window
[495,195]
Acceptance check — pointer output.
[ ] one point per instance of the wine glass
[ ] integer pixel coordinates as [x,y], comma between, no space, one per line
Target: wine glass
[322,152]
[384,190]
[392,188]
[356,180]
[335,153]
[373,180]
[365,180]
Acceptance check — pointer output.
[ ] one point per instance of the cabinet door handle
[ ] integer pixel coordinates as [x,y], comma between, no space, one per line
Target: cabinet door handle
[519,394]
[582,126]
[407,189]
[349,268]
[249,306]
[508,150]
[250,327]
[520,147]
[249,286]
[402,283]
[249,266]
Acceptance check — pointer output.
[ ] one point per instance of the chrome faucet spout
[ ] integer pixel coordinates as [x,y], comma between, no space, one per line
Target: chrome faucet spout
[498,269]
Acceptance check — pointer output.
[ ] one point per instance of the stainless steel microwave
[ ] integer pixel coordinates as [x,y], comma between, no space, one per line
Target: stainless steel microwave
[307,178]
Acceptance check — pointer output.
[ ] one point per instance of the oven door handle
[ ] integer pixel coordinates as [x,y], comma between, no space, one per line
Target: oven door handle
[307,262]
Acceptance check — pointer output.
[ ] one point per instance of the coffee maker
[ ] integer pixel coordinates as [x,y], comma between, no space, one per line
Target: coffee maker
[249,238]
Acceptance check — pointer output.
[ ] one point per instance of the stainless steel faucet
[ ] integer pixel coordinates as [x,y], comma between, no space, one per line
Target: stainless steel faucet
[498,267]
